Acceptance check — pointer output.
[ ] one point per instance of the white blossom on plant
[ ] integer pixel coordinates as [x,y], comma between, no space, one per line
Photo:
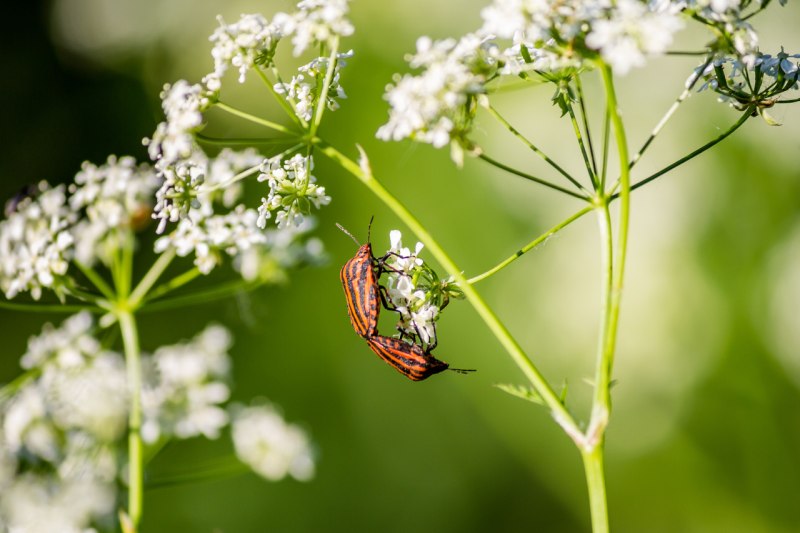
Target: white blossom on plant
[315,21]
[633,32]
[432,107]
[242,45]
[187,386]
[37,503]
[293,190]
[115,195]
[209,239]
[303,90]
[269,445]
[183,106]
[36,244]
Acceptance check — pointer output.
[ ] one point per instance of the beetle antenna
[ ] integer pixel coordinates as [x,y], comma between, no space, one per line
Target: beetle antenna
[348,234]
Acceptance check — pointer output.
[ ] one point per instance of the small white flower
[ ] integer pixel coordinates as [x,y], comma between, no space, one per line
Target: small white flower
[26,426]
[117,194]
[302,92]
[91,397]
[430,107]
[243,44]
[43,504]
[183,106]
[187,386]
[36,244]
[293,190]
[270,446]
[632,32]
[316,21]
[69,345]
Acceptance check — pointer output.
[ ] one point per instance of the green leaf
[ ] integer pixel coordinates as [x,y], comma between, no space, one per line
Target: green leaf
[521,391]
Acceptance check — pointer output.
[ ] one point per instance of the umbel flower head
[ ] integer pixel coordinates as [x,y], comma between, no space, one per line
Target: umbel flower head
[63,431]
[36,243]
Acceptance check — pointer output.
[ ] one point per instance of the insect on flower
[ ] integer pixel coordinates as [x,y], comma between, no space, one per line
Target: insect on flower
[409,359]
[361,290]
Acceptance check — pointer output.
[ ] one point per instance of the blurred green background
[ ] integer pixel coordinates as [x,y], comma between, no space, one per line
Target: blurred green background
[706,428]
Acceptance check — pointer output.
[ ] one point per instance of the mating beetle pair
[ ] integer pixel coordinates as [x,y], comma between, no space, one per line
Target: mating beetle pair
[359,278]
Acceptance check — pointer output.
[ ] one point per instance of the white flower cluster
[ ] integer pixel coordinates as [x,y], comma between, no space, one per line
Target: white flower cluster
[183,106]
[253,39]
[186,387]
[730,17]
[408,292]
[634,31]
[430,107]
[302,91]
[36,243]
[50,226]
[269,445]
[189,194]
[625,32]
[243,44]
[63,427]
[117,194]
[232,233]
[60,431]
[292,191]
[316,21]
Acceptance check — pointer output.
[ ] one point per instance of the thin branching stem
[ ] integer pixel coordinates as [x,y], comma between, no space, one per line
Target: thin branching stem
[534,148]
[531,245]
[585,121]
[322,101]
[579,136]
[530,177]
[696,75]
[742,119]
[282,100]
[254,119]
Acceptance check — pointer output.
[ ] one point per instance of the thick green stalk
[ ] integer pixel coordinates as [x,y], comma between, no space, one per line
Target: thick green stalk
[130,340]
[551,399]
[596,481]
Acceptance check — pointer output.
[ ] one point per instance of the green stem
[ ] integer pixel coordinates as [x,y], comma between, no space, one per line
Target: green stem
[579,136]
[674,107]
[11,388]
[50,308]
[534,148]
[602,401]
[596,481]
[551,399]
[97,280]
[202,296]
[521,174]
[232,180]
[257,120]
[227,467]
[130,340]
[175,283]
[326,85]
[249,141]
[585,120]
[283,101]
[531,245]
[692,155]
[151,277]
